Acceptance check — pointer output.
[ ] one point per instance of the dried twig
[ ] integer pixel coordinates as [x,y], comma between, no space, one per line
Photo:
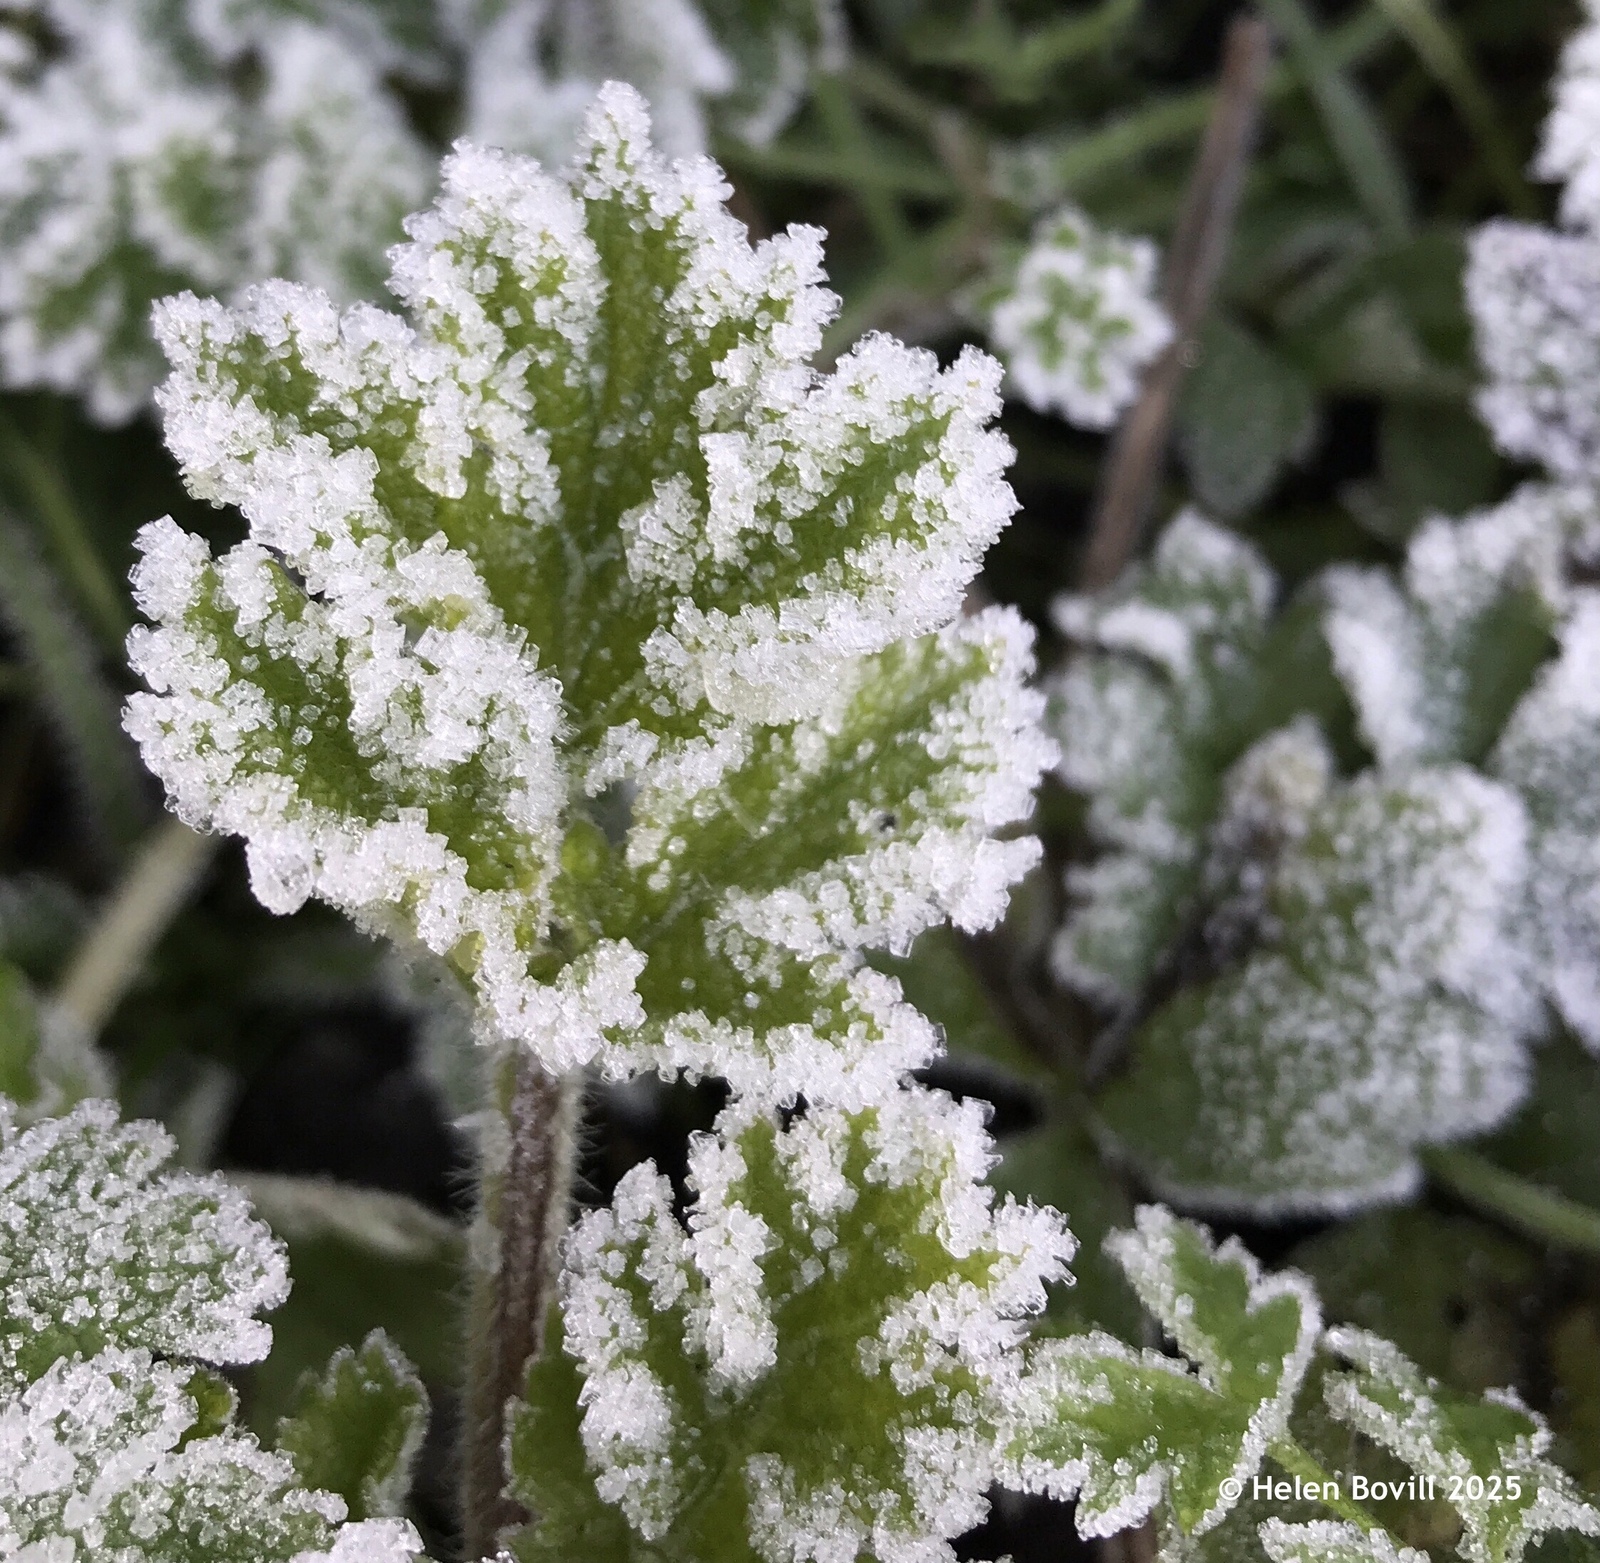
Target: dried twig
[1199,247]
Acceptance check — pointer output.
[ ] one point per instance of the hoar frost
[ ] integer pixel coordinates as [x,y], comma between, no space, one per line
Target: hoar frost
[214,143]
[587,635]
[107,1449]
[1078,322]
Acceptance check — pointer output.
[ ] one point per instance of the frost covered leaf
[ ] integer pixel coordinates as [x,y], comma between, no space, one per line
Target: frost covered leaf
[46,1065]
[356,1430]
[1078,322]
[818,1367]
[534,65]
[1568,150]
[1119,1428]
[1435,662]
[1380,1005]
[586,634]
[1550,752]
[99,1459]
[1179,670]
[1333,1541]
[1489,1456]
[774,46]
[132,165]
[101,1246]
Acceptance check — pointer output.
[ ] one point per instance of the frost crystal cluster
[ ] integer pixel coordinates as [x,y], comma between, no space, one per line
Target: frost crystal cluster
[1077,322]
[1348,849]
[586,635]
[113,1271]
[209,144]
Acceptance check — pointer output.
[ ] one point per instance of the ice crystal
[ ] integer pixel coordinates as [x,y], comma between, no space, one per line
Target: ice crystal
[1078,323]
[1381,1004]
[1168,663]
[98,1459]
[113,1268]
[103,1246]
[587,635]
[818,1367]
[211,144]
[1332,1541]
[1489,1457]
[1118,1428]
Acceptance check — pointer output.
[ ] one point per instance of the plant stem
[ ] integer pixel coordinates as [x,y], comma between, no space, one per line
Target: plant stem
[1539,1213]
[1299,1461]
[1198,249]
[163,875]
[527,1209]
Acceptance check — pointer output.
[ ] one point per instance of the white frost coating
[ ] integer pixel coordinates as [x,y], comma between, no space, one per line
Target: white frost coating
[100,1243]
[405,687]
[1079,323]
[764,1282]
[1550,752]
[91,1466]
[1533,295]
[533,71]
[1400,1408]
[1149,681]
[1406,655]
[1332,1541]
[1572,132]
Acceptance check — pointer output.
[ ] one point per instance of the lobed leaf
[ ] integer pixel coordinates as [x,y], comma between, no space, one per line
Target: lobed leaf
[357,1429]
[1118,1429]
[1488,1456]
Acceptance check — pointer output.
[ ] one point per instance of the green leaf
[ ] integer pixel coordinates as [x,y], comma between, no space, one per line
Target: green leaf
[1245,413]
[829,1350]
[103,1247]
[1333,1541]
[1118,1427]
[356,1430]
[19,1036]
[1488,1456]
[1368,1010]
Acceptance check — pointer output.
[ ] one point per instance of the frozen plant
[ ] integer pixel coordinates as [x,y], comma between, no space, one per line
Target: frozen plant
[119,1278]
[1345,846]
[587,636]
[146,148]
[1076,320]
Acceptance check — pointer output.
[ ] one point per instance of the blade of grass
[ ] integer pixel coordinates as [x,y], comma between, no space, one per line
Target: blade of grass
[1355,131]
[1443,57]
[72,691]
[57,512]
[1537,1212]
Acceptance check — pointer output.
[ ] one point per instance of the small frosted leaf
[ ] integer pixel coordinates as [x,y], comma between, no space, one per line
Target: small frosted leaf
[104,1247]
[1435,662]
[1118,1428]
[356,1430]
[848,1275]
[1078,322]
[1332,1541]
[1550,752]
[1572,132]
[1489,1457]
[1178,670]
[589,635]
[106,1458]
[1380,1003]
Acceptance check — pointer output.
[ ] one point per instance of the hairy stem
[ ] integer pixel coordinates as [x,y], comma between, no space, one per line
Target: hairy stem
[527,1208]
[154,890]
[1198,249]
[1536,1212]
[1299,1461]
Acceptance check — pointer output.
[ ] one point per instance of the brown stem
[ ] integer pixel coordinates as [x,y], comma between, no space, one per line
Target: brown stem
[1199,247]
[529,1209]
